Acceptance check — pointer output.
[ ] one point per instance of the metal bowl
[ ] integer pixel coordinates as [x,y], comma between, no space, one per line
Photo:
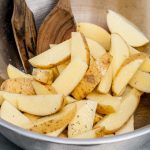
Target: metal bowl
[86,10]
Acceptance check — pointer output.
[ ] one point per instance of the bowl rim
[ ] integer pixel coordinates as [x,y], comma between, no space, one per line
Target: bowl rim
[117,138]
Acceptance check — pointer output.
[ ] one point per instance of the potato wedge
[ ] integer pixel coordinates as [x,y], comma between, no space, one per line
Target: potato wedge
[119,51]
[19,86]
[52,57]
[128,127]
[95,133]
[40,89]
[119,24]
[107,104]
[106,81]
[70,77]
[96,71]
[96,50]
[95,33]
[64,134]
[69,99]
[146,65]
[62,66]
[97,118]
[13,73]
[45,76]
[55,72]
[126,72]
[141,81]
[84,118]
[1,100]
[115,121]
[40,105]
[79,47]
[31,117]
[132,50]
[52,45]
[9,113]
[54,122]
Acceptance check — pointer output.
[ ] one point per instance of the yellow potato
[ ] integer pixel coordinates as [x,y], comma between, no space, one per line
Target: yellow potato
[141,81]
[54,122]
[132,50]
[32,117]
[95,33]
[146,65]
[97,118]
[18,85]
[62,66]
[96,71]
[9,113]
[70,77]
[52,57]
[84,118]
[40,105]
[69,99]
[107,104]
[115,121]
[126,72]
[55,72]
[119,24]
[1,100]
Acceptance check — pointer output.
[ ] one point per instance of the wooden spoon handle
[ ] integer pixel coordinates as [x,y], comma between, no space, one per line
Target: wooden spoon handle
[65,4]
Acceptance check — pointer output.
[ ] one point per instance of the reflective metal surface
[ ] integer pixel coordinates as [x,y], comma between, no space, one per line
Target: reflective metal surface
[85,10]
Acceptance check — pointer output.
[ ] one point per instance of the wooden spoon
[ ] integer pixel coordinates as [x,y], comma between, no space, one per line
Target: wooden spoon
[24,30]
[57,26]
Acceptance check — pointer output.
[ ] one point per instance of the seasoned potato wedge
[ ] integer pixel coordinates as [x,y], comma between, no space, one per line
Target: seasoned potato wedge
[84,118]
[95,33]
[70,77]
[40,105]
[9,113]
[55,72]
[62,66]
[43,75]
[40,89]
[13,73]
[52,57]
[54,122]
[79,47]
[69,99]
[141,81]
[126,72]
[128,127]
[18,85]
[95,133]
[32,117]
[97,118]
[115,121]
[107,104]
[96,71]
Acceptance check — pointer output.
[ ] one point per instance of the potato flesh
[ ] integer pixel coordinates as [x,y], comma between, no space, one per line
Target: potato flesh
[9,113]
[141,81]
[132,35]
[70,77]
[84,118]
[114,121]
[62,66]
[95,33]
[146,65]
[52,57]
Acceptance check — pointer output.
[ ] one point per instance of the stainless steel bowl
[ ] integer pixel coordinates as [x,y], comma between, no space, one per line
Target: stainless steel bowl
[86,10]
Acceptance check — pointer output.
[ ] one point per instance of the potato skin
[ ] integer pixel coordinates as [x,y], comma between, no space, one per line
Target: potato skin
[19,86]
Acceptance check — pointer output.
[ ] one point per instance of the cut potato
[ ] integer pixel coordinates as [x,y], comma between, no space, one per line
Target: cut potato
[95,133]
[69,99]
[84,118]
[44,76]
[55,72]
[146,65]
[96,50]
[141,81]
[119,51]
[128,127]
[96,71]
[109,135]
[13,73]
[1,100]
[40,105]
[52,57]
[106,81]
[64,134]
[54,122]
[97,118]
[32,117]
[57,132]
[9,113]
[115,121]
[18,85]
[79,47]
[62,66]
[132,50]
[70,77]
[107,104]
[52,45]
[95,33]
[40,89]
[119,24]
[126,72]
